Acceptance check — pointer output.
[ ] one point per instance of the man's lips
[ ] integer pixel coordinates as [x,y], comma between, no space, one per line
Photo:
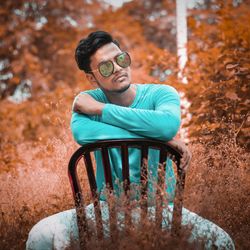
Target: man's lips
[119,77]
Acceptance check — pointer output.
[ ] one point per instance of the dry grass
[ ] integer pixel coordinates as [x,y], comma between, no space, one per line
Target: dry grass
[217,188]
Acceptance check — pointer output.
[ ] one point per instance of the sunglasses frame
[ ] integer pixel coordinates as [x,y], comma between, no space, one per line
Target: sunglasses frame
[115,58]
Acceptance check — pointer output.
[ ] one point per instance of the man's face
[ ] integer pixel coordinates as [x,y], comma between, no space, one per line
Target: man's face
[120,80]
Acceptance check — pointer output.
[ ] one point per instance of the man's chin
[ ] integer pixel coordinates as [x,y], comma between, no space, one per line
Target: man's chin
[123,89]
[120,90]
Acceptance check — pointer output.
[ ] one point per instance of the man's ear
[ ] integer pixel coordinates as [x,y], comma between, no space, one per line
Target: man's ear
[91,78]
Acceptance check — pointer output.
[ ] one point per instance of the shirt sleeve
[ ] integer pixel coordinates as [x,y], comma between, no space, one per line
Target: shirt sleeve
[162,123]
[85,130]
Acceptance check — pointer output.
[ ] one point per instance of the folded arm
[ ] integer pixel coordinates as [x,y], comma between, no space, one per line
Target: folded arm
[162,122]
[86,130]
[118,122]
[157,124]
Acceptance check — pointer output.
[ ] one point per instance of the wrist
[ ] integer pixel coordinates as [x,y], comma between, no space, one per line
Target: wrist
[100,109]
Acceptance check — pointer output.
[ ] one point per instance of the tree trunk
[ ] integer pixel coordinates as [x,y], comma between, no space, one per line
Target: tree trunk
[181,37]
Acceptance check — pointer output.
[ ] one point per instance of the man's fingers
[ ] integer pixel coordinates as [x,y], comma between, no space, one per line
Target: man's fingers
[185,160]
[184,166]
[185,153]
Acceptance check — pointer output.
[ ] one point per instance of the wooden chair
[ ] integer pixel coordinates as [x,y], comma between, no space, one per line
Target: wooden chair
[124,144]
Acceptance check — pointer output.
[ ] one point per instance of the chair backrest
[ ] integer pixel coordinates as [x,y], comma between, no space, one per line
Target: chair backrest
[124,144]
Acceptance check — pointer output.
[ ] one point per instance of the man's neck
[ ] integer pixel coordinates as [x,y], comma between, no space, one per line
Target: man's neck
[125,98]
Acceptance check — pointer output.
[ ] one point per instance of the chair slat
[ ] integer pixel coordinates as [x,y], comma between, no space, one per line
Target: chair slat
[160,189]
[144,179]
[107,168]
[82,224]
[144,170]
[95,196]
[113,220]
[109,184]
[125,167]
[73,178]
[178,203]
[163,157]
[126,184]
[91,175]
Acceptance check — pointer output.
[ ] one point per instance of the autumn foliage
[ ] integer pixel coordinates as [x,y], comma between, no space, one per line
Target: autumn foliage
[37,45]
[219,71]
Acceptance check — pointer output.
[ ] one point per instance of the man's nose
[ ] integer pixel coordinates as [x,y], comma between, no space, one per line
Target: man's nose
[116,67]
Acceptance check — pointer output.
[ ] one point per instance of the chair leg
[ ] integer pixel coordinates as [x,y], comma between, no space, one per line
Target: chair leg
[82,227]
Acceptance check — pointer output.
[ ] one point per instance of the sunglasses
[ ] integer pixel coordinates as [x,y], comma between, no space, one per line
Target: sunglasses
[106,68]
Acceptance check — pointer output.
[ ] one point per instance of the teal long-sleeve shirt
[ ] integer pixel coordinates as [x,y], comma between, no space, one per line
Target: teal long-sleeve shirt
[154,113]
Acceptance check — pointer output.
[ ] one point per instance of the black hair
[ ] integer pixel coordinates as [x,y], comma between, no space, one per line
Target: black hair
[88,46]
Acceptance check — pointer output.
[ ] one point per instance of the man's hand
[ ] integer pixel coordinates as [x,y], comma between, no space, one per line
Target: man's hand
[183,149]
[86,104]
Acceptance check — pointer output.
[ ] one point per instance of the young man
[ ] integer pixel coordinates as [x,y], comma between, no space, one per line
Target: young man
[119,109]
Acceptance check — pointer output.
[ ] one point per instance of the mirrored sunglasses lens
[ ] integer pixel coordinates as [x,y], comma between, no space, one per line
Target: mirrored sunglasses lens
[106,69]
[123,60]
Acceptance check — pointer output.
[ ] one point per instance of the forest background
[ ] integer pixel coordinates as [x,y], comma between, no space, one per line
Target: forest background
[39,79]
